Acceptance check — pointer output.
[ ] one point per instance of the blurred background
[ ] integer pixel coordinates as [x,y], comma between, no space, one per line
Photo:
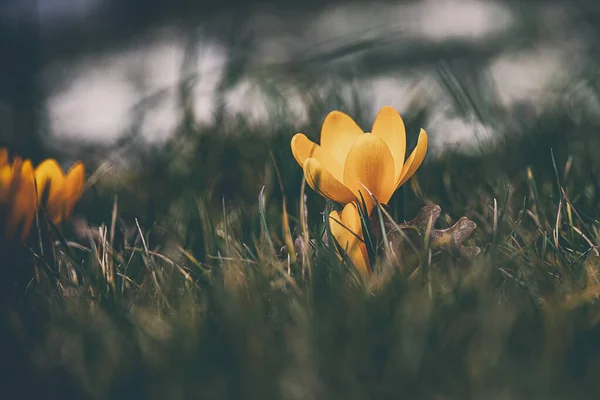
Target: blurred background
[106,76]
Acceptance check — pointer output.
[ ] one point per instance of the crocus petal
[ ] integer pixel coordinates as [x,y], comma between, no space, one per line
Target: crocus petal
[3,157]
[415,159]
[338,133]
[50,177]
[6,187]
[347,231]
[23,208]
[73,186]
[370,165]
[303,148]
[6,174]
[390,128]
[324,183]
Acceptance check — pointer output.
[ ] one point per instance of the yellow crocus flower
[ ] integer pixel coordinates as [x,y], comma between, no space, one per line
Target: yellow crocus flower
[346,228]
[349,162]
[56,192]
[59,191]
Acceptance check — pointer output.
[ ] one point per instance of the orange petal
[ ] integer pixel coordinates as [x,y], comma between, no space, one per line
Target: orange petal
[50,179]
[3,157]
[347,231]
[324,183]
[303,148]
[24,205]
[73,186]
[338,133]
[6,178]
[390,128]
[415,159]
[370,165]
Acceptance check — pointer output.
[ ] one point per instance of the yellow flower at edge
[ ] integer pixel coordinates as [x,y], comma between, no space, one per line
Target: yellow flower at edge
[346,228]
[350,162]
[57,192]
[17,197]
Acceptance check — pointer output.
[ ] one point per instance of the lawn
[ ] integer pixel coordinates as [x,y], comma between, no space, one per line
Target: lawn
[171,280]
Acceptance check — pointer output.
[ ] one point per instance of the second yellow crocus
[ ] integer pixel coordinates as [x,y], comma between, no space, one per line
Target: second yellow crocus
[56,192]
